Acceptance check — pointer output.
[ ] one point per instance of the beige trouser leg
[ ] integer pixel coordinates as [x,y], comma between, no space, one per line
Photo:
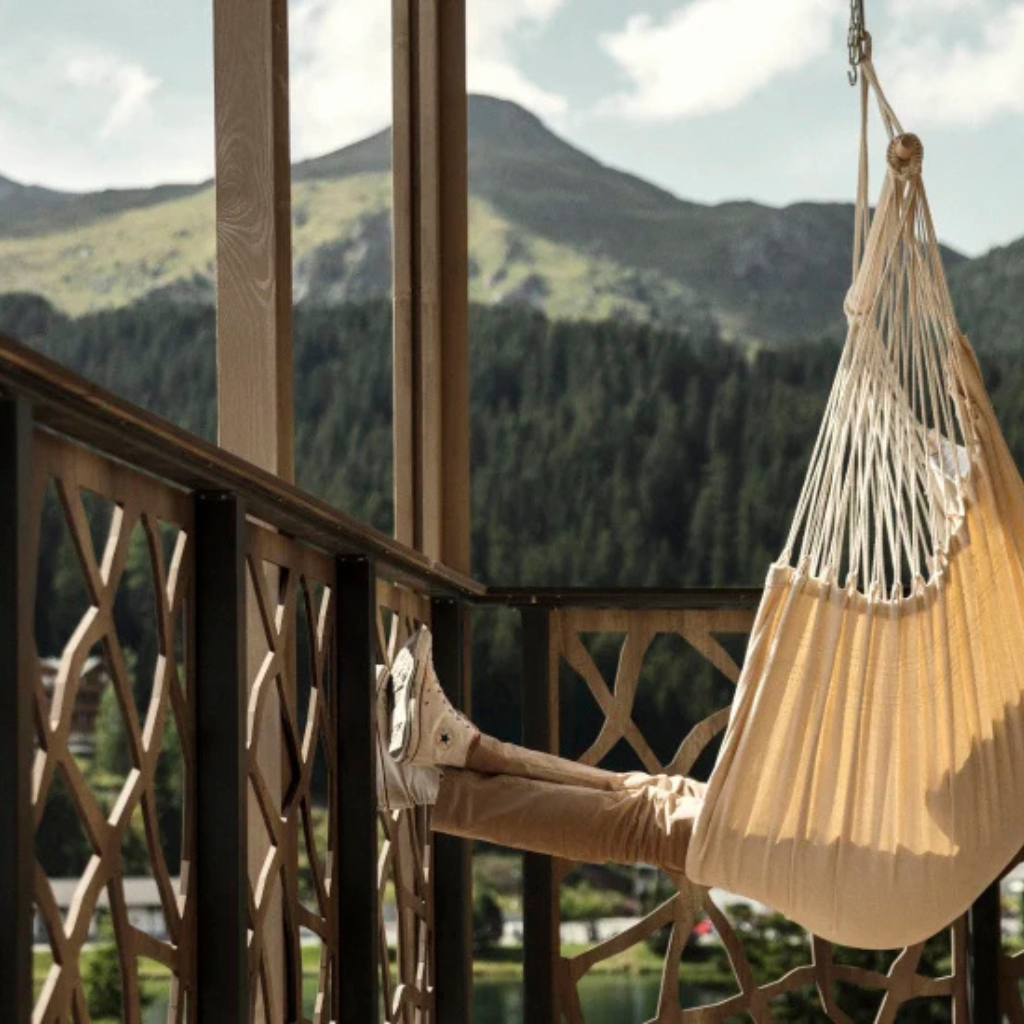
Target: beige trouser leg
[493,757]
[542,803]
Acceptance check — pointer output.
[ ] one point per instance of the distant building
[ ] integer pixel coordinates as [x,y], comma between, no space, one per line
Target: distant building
[95,679]
[141,896]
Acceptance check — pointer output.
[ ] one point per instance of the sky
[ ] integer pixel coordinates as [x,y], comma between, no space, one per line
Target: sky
[712,99]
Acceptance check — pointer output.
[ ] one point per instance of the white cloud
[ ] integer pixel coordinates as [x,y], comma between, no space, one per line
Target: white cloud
[83,117]
[341,65]
[936,78]
[490,64]
[340,73]
[929,8]
[127,85]
[711,55]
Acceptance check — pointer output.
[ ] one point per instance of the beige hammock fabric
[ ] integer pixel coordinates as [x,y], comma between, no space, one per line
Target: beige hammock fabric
[871,780]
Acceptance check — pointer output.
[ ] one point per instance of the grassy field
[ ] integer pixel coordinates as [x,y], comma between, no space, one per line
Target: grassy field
[498,963]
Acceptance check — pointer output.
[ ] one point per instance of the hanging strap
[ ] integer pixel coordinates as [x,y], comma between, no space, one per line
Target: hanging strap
[868,85]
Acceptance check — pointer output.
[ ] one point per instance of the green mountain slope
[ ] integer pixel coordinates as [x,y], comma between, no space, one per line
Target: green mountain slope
[988,293]
[550,228]
[27,210]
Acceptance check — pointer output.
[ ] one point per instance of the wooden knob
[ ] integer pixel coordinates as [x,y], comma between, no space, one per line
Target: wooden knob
[902,149]
[906,153]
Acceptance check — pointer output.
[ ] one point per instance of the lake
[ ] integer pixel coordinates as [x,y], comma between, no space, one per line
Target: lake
[606,998]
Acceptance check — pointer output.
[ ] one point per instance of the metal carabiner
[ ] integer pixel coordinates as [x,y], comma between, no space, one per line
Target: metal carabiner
[858,39]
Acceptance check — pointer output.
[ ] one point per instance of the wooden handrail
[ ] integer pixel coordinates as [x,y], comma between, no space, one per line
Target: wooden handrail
[627,598]
[67,403]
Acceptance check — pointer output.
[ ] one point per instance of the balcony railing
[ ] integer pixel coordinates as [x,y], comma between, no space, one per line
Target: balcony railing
[980,977]
[271,613]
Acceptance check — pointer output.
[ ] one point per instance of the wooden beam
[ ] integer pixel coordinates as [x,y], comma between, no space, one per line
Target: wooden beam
[431,383]
[703,599]
[254,274]
[404,189]
[454,288]
[431,347]
[254,336]
[430,255]
[69,404]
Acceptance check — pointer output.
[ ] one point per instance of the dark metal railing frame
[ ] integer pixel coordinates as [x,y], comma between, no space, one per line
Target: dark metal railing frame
[17,856]
[221,776]
[356,792]
[36,392]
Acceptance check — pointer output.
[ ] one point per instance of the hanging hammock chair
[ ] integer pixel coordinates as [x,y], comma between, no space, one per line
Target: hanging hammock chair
[871,780]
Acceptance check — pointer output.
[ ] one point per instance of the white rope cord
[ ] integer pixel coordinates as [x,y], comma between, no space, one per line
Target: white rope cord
[887,480]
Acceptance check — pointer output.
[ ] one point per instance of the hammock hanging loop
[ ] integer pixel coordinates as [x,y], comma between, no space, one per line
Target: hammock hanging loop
[905,156]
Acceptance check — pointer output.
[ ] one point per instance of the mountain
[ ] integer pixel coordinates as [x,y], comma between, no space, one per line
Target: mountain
[988,293]
[550,228]
[29,210]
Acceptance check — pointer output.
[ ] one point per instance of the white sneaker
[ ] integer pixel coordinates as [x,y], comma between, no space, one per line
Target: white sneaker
[425,728]
[399,786]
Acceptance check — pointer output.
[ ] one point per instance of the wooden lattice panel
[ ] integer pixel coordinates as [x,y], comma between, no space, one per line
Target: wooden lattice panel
[1011,978]
[118,521]
[289,739]
[824,969]
[406,850]
[1011,972]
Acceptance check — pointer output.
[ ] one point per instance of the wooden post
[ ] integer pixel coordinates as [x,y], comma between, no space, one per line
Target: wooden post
[454,289]
[431,345]
[984,951]
[221,777]
[429,256]
[403,217]
[254,272]
[540,893]
[356,793]
[431,381]
[453,875]
[17,684]
[254,313]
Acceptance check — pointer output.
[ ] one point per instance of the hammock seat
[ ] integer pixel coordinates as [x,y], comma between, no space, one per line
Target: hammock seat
[871,779]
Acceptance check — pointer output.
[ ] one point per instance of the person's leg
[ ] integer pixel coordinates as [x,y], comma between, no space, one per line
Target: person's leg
[490,756]
[427,730]
[649,820]
[529,800]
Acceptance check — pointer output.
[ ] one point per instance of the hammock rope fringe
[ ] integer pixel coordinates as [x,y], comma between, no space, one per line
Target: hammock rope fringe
[877,736]
[886,486]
